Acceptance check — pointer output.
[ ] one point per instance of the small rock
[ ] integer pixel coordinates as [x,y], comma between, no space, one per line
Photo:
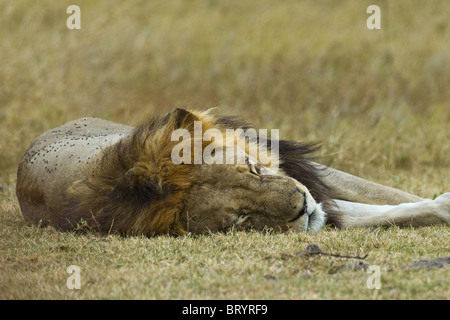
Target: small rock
[309,248]
[357,266]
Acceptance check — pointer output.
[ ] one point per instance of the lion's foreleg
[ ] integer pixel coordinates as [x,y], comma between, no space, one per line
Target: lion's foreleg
[426,212]
[351,188]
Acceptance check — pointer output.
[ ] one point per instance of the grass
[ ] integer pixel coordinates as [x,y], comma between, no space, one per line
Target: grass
[377,99]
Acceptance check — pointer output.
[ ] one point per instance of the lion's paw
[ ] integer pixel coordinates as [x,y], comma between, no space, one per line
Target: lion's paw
[443,202]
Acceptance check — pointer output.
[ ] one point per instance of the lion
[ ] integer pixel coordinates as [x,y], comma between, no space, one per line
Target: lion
[99,175]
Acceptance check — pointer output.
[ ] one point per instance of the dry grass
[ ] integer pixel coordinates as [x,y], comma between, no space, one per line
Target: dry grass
[377,99]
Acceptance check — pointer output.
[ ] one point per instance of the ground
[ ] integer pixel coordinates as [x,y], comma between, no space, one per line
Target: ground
[377,99]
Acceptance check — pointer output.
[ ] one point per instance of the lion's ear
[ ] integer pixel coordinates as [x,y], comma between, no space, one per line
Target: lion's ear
[182,119]
[141,181]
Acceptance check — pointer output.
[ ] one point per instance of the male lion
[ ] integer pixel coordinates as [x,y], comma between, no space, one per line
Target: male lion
[118,179]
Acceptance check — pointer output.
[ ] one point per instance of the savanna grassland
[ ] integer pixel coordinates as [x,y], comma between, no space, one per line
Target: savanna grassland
[377,99]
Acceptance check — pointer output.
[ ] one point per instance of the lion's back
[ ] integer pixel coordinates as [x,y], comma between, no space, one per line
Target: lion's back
[59,157]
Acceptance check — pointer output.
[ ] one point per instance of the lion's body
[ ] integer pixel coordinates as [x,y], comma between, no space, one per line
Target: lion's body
[58,158]
[116,178]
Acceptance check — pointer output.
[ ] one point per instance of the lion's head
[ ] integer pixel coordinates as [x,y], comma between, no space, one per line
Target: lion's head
[248,196]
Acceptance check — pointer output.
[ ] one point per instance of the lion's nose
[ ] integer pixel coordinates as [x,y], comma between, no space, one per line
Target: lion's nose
[304,209]
[305,203]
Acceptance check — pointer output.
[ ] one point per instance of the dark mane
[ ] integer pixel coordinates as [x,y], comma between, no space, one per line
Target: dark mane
[137,189]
